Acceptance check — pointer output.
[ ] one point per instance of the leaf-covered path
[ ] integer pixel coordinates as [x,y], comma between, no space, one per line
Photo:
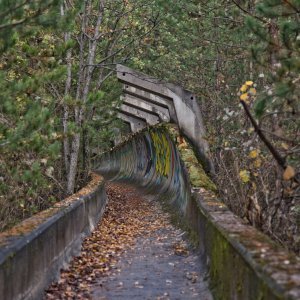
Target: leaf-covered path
[135,253]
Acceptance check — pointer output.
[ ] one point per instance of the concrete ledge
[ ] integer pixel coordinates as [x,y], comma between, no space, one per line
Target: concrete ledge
[33,252]
[243,263]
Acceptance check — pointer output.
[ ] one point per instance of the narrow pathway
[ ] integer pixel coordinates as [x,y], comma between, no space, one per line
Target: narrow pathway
[135,253]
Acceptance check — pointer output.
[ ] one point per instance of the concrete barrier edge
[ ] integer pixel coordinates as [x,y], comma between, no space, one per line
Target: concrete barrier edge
[242,262]
[29,261]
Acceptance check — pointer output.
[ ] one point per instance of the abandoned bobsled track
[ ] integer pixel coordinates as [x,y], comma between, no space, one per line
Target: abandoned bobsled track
[135,251]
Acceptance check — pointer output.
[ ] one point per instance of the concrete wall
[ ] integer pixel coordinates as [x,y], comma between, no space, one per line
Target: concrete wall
[242,262]
[182,106]
[152,161]
[33,252]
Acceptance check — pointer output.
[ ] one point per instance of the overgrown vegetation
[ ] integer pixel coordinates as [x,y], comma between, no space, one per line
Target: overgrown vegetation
[242,58]
[57,95]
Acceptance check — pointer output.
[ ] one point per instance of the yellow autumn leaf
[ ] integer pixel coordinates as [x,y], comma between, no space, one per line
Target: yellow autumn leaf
[289,173]
[244,97]
[250,130]
[252,91]
[244,88]
[245,176]
[257,163]
[249,83]
[253,153]
[285,146]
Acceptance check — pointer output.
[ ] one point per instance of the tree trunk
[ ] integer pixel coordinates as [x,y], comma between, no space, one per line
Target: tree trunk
[85,154]
[73,164]
[83,87]
[65,117]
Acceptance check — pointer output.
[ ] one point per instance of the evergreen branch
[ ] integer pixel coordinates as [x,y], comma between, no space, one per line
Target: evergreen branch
[13,24]
[292,6]
[10,10]
[24,20]
[248,12]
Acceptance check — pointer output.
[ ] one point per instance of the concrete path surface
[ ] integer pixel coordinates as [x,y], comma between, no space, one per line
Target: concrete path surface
[154,270]
[157,263]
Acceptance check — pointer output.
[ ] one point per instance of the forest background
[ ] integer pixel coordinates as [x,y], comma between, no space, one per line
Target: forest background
[58,94]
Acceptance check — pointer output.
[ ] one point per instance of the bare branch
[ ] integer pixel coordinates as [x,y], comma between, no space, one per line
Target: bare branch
[280,160]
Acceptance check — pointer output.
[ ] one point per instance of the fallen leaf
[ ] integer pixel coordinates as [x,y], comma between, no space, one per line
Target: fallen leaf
[289,173]
[244,97]
[253,153]
[285,146]
[244,88]
[245,176]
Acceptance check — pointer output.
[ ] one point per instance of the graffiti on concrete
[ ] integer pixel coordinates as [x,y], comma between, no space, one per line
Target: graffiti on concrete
[163,149]
[151,160]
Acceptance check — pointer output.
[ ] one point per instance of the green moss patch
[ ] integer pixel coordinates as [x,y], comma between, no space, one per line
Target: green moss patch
[198,177]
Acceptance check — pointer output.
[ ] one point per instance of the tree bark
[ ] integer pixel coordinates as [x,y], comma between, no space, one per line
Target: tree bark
[73,164]
[65,118]
[84,84]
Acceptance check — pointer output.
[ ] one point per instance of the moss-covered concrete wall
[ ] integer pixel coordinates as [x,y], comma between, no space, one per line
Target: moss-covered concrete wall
[243,263]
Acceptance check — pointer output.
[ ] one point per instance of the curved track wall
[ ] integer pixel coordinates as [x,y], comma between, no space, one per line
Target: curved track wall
[151,161]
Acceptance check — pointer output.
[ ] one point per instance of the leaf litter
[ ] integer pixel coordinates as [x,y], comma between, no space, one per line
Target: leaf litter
[124,220]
